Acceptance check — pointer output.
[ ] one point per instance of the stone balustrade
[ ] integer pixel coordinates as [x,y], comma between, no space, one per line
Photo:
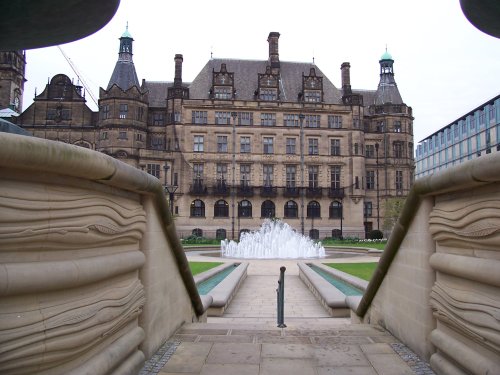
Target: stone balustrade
[92,276]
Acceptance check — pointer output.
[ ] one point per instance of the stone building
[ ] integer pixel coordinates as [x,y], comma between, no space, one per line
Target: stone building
[12,78]
[246,140]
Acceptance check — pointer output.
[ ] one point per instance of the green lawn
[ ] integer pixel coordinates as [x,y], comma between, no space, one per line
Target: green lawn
[199,267]
[370,245]
[362,270]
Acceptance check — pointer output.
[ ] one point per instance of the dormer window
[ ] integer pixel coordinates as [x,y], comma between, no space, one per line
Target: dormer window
[222,84]
[312,86]
[223,93]
[268,89]
[268,94]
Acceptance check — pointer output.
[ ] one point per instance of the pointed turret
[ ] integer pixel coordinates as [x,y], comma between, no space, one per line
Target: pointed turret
[124,75]
[387,91]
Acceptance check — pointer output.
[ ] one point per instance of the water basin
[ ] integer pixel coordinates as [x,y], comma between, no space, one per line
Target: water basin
[204,287]
[341,285]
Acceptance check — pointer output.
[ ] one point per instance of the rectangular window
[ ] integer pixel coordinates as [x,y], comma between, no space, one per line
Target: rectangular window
[268,94]
[222,143]
[313,174]
[267,174]
[222,118]
[153,169]
[335,122]
[139,137]
[312,96]
[355,122]
[268,119]
[398,147]
[140,113]
[335,147]
[290,146]
[199,117]
[105,112]
[268,145]
[157,142]
[198,173]
[158,119]
[290,120]
[245,118]
[123,110]
[313,121]
[399,180]
[397,126]
[51,114]
[122,135]
[313,146]
[380,126]
[335,176]
[245,145]
[104,135]
[291,172]
[198,143]
[244,174]
[356,149]
[221,170]
[370,151]
[368,209]
[370,180]
[223,93]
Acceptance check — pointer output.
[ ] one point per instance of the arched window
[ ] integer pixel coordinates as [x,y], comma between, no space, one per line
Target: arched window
[220,234]
[197,208]
[291,209]
[221,208]
[197,232]
[267,209]
[313,209]
[335,210]
[337,234]
[245,209]
[243,231]
[314,234]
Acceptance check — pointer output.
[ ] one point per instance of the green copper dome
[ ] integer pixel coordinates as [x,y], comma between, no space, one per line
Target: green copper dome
[386,56]
[126,34]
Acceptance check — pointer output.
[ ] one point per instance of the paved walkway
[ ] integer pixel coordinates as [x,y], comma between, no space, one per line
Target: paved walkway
[245,341]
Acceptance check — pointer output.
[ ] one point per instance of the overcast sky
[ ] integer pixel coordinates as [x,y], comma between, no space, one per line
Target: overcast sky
[444,66]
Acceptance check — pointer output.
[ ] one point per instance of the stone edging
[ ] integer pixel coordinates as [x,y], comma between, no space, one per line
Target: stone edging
[223,293]
[332,299]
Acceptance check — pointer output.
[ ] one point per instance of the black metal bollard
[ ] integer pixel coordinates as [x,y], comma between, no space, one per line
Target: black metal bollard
[281,298]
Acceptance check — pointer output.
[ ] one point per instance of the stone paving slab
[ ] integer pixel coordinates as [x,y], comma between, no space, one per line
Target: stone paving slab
[246,340]
[275,351]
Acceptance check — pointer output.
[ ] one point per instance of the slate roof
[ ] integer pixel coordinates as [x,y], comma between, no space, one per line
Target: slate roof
[157,92]
[124,75]
[246,79]
[387,91]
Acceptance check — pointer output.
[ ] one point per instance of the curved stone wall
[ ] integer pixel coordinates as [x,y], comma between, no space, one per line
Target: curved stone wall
[84,240]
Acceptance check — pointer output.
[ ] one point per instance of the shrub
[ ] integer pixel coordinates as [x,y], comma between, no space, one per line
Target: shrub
[375,235]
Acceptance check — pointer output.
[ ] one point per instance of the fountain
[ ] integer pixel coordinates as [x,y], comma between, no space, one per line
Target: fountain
[274,239]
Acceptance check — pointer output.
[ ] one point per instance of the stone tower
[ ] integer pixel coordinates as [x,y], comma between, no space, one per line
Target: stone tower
[12,73]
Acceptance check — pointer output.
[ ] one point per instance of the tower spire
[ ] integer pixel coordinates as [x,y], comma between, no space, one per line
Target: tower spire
[387,91]
[124,74]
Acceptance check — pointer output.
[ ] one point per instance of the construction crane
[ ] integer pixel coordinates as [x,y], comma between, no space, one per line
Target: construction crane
[80,77]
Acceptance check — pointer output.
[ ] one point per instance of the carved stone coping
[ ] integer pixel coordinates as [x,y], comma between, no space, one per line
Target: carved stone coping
[35,154]
[471,174]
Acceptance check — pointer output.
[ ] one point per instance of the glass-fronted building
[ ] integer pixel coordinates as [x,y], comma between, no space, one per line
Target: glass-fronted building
[474,134]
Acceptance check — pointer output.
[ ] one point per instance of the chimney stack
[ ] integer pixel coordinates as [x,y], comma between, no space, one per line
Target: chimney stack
[178,70]
[274,57]
[346,78]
